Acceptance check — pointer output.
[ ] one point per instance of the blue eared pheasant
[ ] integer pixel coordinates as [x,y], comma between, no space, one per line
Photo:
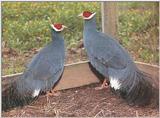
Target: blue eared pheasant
[41,74]
[112,61]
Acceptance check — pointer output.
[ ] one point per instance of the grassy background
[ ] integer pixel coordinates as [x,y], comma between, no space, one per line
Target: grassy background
[23,22]
[25,28]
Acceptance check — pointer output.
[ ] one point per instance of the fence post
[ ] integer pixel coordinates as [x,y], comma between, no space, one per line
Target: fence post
[109,18]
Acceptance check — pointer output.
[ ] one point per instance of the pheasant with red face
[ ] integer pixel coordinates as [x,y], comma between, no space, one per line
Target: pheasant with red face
[42,73]
[111,60]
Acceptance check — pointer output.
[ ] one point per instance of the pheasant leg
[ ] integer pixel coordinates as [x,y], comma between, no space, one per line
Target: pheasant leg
[103,86]
[53,93]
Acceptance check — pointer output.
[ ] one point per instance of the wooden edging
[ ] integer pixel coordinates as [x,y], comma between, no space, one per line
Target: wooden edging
[17,74]
[79,74]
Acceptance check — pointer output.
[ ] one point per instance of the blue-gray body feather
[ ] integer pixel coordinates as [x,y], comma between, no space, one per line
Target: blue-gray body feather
[105,53]
[41,74]
[45,68]
[111,60]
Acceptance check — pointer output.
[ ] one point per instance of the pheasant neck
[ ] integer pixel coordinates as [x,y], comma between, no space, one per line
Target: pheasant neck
[55,35]
[90,24]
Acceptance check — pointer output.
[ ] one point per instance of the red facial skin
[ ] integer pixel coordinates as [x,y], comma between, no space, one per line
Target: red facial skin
[86,14]
[58,26]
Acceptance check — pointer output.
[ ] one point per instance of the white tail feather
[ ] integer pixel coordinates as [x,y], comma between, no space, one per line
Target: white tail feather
[35,93]
[115,83]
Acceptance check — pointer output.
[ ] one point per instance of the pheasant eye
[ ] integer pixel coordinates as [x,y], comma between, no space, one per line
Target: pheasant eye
[58,26]
[87,13]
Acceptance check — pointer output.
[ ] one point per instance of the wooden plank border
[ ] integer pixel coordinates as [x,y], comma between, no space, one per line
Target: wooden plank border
[79,74]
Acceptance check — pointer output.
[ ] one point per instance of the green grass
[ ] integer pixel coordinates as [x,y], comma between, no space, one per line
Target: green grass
[132,22]
[24,22]
[138,28]
[135,5]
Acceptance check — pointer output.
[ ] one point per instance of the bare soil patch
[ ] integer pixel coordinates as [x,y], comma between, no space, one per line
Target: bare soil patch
[82,101]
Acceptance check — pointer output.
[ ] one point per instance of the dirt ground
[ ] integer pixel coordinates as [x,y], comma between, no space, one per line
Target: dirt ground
[82,101]
[76,102]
